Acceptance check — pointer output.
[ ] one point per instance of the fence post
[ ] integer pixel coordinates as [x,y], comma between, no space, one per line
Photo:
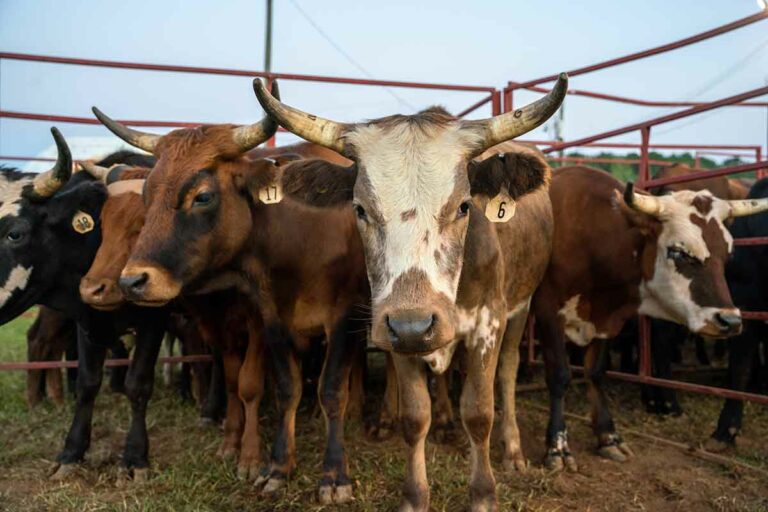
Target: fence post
[508,99]
[644,174]
[496,103]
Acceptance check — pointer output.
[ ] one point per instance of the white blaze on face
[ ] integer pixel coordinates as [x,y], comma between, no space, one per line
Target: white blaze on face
[10,195]
[17,280]
[409,168]
[668,294]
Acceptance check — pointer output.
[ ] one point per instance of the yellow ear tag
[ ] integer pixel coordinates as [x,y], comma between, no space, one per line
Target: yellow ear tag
[82,222]
[272,193]
[500,208]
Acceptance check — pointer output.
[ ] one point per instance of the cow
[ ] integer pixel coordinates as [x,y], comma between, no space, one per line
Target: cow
[51,232]
[49,338]
[440,272]
[209,227]
[616,255]
[221,319]
[720,186]
[748,279]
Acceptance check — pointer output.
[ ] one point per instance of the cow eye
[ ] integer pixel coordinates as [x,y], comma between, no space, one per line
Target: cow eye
[14,236]
[360,212]
[679,254]
[203,198]
[463,210]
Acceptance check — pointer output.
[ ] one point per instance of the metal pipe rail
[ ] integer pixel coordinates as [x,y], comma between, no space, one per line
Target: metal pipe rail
[47,365]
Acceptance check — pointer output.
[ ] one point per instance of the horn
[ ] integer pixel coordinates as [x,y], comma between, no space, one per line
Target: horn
[97,171]
[742,207]
[650,205]
[307,126]
[513,124]
[141,140]
[248,137]
[47,183]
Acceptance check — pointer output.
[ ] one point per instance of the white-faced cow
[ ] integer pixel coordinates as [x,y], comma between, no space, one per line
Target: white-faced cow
[619,254]
[440,272]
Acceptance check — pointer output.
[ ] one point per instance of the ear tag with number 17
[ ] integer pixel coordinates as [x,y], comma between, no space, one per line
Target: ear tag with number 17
[501,207]
[272,193]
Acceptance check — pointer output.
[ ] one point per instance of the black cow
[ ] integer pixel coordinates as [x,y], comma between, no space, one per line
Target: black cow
[748,280]
[49,224]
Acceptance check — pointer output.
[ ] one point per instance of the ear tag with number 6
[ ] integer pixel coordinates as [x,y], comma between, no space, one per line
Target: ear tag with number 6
[501,207]
[272,193]
[82,222]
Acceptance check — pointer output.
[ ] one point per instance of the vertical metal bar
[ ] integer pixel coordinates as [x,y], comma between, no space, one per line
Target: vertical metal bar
[643,174]
[644,342]
[697,160]
[508,100]
[268,39]
[496,103]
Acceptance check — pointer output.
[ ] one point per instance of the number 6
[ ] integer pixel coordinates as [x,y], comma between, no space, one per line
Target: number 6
[502,212]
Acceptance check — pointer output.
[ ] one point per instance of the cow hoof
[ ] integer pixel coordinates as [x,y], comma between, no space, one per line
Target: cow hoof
[62,472]
[561,461]
[269,482]
[140,475]
[516,463]
[612,452]
[713,445]
[444,433]
[489,504]
[248,472]
[227,452]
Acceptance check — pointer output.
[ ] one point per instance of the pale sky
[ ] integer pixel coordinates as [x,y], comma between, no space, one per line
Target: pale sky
[448,41]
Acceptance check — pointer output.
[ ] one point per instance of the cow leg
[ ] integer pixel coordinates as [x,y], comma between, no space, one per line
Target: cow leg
[35,385]
[664,400]
[610,444]
[54,386]
[415,417]
[357,378]
[139,385]
[286,370]
[509,360]
[558,376]
[215,406]
[251,389]
[90,365]
[168,341]
[443,425]
[35,352]
[335,484]
[234,420]
[477,416]
[742,350]
[389,413]
[70,354]
[117,373]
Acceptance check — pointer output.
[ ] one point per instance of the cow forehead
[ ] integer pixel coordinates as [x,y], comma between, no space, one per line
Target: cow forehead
[407,166]
[679,208]
[10,195]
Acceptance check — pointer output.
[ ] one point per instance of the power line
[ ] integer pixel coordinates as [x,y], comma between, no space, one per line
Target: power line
[347,56]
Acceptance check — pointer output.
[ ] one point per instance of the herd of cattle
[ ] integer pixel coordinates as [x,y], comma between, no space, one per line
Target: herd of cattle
[429,236]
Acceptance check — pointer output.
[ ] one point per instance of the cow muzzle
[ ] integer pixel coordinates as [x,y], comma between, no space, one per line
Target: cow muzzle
[412,331]
[102,294]
[723,324]
[148,286]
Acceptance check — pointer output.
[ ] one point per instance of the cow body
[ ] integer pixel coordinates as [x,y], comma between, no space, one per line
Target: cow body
[721,186]
[51,336]
[610,262]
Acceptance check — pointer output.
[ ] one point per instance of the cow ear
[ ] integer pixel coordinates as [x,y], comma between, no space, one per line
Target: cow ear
[518,173]
[318,182]
[84,198]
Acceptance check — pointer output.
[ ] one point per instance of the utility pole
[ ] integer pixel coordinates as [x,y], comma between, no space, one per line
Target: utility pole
[268,39]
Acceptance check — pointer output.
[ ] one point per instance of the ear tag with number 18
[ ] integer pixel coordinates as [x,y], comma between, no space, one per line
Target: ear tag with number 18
[272,193]
[501,207]
[82,222]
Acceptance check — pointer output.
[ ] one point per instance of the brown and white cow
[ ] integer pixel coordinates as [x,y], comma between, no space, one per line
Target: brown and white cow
[440,273]
[618,254]
[721,186]
[207,227]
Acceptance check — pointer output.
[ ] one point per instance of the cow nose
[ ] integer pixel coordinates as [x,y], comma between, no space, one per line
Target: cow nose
[728,322]
[97,290]
[410,330]
[133,284]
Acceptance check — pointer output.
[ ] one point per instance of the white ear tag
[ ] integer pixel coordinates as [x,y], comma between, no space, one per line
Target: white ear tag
[82,222]
[500,208]
[272,193]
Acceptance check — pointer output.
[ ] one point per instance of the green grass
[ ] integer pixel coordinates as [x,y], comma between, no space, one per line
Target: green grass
[187,476]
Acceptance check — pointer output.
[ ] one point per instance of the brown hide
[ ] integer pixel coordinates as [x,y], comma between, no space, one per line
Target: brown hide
[721,186]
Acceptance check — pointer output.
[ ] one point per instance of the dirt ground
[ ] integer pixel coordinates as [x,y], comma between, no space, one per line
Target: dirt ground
[186,475]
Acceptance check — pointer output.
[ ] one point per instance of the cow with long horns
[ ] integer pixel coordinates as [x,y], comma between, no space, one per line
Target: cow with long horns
[618,253]
[215,220]
[51,231]
[441,273]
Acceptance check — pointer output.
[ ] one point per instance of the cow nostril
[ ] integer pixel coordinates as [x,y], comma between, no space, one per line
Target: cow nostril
[728,322]
[99,290]
[134,283]
[410,328]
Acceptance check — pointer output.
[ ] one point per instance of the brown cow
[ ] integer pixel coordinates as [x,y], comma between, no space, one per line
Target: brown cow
[615,256]
[49,337]
[301,267]
[721,187]
[440,273]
